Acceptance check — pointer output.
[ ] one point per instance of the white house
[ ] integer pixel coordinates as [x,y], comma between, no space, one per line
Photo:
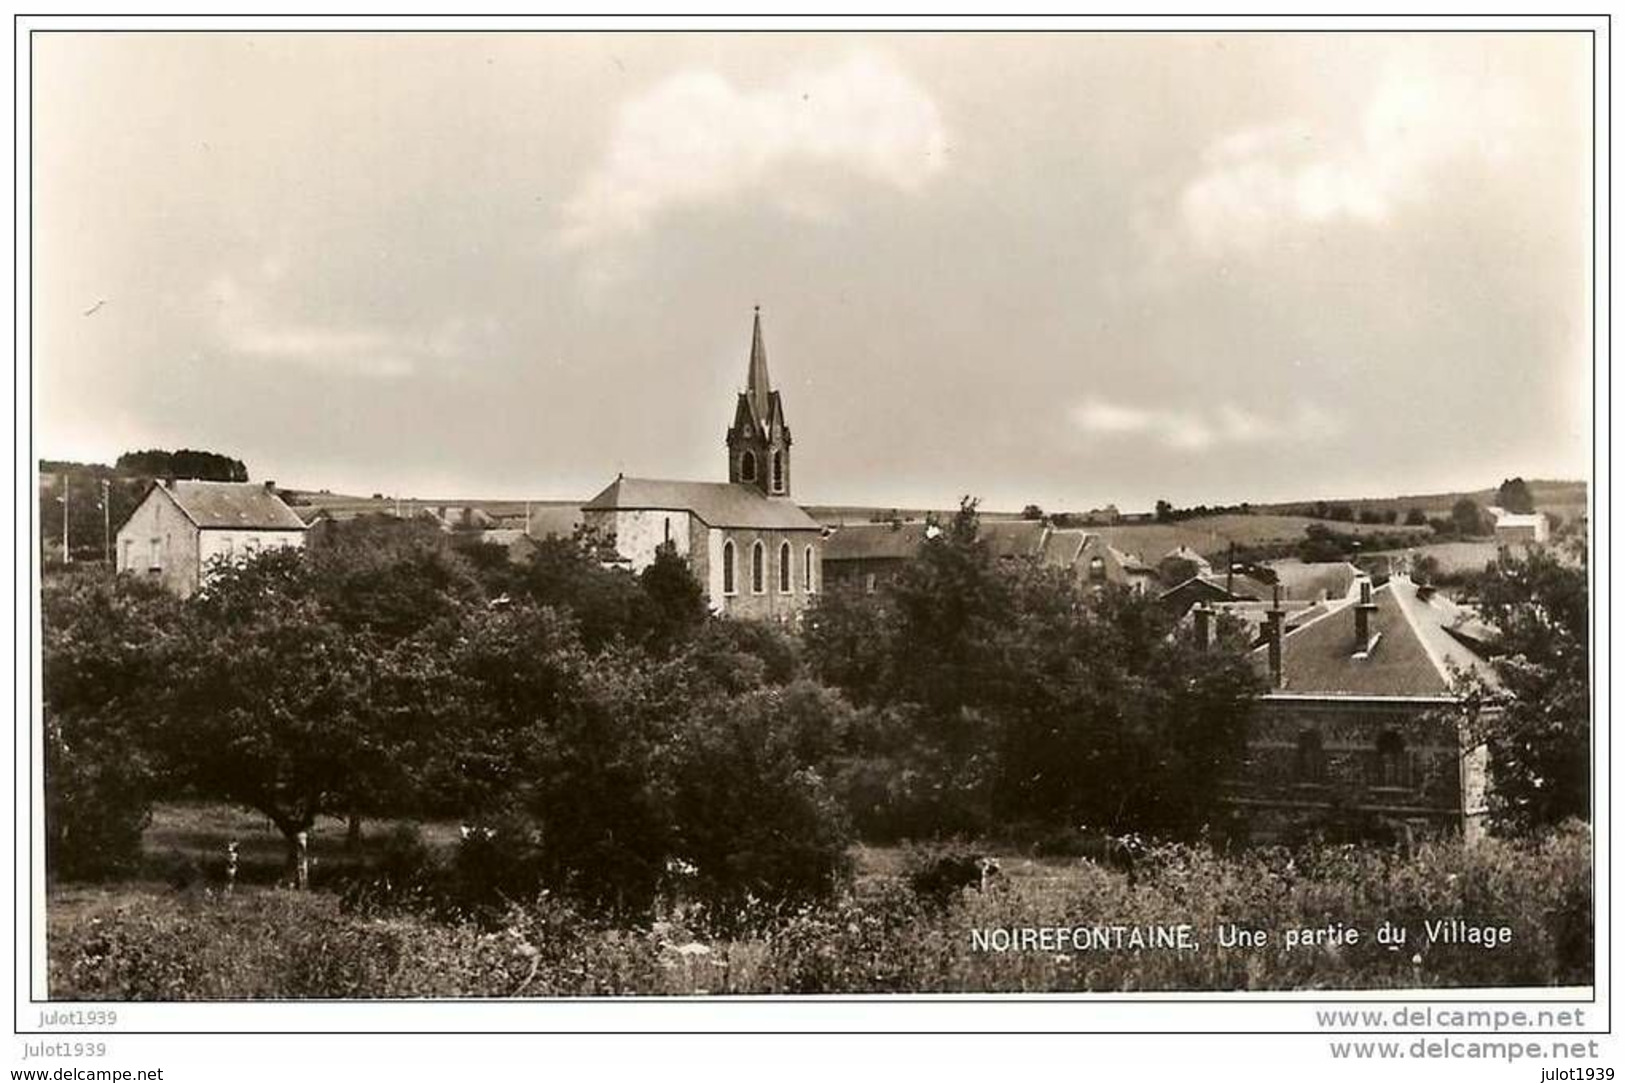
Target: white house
[1513,527]
[181,527]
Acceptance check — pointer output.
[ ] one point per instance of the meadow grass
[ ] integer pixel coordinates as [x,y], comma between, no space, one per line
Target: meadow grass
[148,940]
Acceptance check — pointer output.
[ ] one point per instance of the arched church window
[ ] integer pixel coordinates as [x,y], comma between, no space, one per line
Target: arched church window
[784,568]
[728,586]
[747,466]
[1311,757]
[807,570]
[1393,767]
[778,471]
[758,568]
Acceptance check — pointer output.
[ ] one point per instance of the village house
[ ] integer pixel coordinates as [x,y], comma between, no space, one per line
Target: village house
[1361,728]
[182,528]
[755,551]
[867,555]
[1513,528]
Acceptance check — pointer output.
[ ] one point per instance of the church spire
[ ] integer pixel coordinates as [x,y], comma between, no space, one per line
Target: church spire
[756,384]
[758,439]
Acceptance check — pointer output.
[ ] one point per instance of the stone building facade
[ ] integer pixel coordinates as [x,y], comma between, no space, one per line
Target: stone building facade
[1361,729]
[183,528]
[758,554]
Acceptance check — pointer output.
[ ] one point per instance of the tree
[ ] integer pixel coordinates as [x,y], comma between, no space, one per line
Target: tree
[185,463]
[295,702]
[567,574]
[1468,518]
[1514,496]
[1535,718]
[1032,512]
[676,600]
[1165,512]
[105,646]
[754,815]
[1415,516]
[1107,720]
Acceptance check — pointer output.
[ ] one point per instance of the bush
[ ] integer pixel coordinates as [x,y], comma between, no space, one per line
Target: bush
[752,813]
[96,804]
[885,936]
[938,872]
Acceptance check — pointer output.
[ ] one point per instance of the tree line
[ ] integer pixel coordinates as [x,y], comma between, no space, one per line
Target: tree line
[596,729]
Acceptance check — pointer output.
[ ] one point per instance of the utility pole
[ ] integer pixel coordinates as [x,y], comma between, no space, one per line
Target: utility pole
[67,488]
[107,522]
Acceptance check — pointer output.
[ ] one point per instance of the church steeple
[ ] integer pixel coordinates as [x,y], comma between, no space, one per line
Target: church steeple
[757,388]
[758,439]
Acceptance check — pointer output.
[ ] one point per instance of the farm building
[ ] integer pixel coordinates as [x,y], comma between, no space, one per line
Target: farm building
[1361,728]
[1512,527]
[181,528]
[756,552]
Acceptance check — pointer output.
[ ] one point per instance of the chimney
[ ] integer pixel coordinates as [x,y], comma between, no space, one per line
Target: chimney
[1362,619]
[1203,616]
[1272,635]
[270,486]
[167,482]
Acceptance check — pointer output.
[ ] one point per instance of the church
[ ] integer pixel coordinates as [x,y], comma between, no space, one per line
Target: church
[757,553]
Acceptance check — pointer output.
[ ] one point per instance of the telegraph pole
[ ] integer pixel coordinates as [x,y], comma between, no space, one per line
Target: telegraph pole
[67,488]
[107,522]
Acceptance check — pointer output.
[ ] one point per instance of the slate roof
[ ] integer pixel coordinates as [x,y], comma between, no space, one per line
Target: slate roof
[875,541]
[1013,537]
[1132,563]
[232,505]
[1310,581]
[1412,655]
[714,503]
[1063,547]
[553,521]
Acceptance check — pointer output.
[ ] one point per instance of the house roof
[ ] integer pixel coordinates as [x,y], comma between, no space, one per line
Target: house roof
[554,521]
[232,505]
[1131,562]
[1299,580]
[1414,651]
[1062,547]
[875,541]
[1013,537]
[715,503]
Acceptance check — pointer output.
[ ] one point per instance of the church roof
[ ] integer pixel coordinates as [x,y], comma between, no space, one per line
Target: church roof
[232,505]
[1415,650]
[714,503]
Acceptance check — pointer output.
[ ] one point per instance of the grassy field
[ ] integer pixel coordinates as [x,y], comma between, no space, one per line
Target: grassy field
[151,940]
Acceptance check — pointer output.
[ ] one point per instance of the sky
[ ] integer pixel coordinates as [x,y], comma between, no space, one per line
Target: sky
[1064,269]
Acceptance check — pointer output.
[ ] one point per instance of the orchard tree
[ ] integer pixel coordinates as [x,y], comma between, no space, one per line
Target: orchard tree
[106,648]
[284,702]
[1535,716]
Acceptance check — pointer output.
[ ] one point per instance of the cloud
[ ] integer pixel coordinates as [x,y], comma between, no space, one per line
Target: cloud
[1256,182]
[1199,429]
[246,329]
[696,139]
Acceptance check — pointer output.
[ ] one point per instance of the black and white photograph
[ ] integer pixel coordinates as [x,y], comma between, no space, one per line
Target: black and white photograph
[679,514]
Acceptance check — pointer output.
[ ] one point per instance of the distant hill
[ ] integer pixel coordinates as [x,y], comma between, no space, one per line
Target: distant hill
[1564,498]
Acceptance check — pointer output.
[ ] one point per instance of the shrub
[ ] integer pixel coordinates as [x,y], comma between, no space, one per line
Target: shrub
[96,803]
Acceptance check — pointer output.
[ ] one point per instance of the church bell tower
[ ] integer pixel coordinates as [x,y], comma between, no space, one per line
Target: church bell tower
[758,439]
